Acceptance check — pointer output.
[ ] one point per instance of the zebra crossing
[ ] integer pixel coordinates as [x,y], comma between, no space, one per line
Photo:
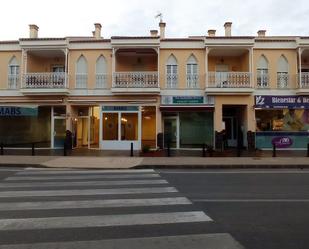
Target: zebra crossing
[44,208]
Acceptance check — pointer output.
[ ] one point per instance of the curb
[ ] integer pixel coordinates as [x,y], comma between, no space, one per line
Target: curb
[232,166]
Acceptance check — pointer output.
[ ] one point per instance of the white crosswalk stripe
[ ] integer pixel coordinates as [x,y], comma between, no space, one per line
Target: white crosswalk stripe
[43,194]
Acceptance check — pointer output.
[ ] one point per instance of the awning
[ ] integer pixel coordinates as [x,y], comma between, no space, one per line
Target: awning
[197,108]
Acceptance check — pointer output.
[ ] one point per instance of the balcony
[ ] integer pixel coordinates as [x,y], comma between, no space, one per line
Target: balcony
[44,83]
[303,86]
[229,83]
[283,80]
[135,82]
[262,81]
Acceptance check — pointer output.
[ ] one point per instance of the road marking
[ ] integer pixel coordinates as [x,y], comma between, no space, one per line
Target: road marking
[196,241]
[102,221]
[83,183]
[12,194]
[250,200]
[98,176]
[65,171]
[94,203]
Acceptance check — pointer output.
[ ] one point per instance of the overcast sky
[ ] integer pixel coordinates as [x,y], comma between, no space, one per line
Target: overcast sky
[59,18]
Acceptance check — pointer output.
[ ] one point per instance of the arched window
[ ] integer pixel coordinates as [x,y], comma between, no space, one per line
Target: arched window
[81,72]
[101,72]
[171,72]
[262,72]
[283,72]
[13,73]
[192,72]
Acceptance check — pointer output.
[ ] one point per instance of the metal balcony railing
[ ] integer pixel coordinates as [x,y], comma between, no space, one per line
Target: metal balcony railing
[44,80]
[229,80]
[304,80]
[283,80]
[135,80]
[13,81]
[171,80]
[262,80]
[101,80]
[192,80]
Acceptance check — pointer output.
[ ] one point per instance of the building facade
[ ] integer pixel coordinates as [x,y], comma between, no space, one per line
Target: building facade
[154,91]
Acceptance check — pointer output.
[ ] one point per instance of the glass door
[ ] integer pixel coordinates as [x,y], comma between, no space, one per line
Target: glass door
[59,131]
[170,132]
[231,130]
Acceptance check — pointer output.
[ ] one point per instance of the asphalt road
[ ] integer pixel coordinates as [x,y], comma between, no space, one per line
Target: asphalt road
[148,209]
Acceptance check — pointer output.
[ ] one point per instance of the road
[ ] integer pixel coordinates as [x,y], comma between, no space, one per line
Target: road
[45,208]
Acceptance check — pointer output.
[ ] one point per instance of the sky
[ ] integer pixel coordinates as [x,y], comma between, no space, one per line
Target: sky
[60,18]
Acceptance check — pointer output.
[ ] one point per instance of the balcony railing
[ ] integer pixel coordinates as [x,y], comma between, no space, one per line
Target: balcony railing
[171,80]
[192,80]
[229,80]
[13,81]
[101,80]
[283,80]
[45,80]
[135,80]
[304,80]
[262,80]
[81,80]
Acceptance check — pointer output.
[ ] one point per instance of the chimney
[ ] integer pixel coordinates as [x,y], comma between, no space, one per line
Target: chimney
[93,33]
[33,34]
[261,33]
[97,32]
[228,29]
[154,33]
[211,32]
[162,29]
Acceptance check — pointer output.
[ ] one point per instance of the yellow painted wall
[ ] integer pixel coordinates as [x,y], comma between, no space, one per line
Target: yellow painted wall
[37,64]
[182,55]
[136,63]
[272,56]
[91,57]
[5,58]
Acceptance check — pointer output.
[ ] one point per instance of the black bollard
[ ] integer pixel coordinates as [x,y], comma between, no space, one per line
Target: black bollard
[2,151]
[131,154]
[32,150]
[274,150]
[204,150]
[238,151]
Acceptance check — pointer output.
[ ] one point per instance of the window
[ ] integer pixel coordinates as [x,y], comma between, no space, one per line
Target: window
[13,73]
[171,72]
[283,72]
[81,72]
[192,74]
[101,72]
[262,73]
[110,126]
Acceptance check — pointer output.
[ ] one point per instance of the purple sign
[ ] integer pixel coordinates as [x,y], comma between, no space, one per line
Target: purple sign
[282,142]
[281,102]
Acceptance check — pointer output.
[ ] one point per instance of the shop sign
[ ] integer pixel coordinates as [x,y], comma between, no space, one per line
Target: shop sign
[119,108]
[282,142]
[13,111]
[187,100]
[281,102]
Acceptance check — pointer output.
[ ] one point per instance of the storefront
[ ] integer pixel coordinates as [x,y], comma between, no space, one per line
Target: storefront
[282,120]
[22,125]
[187,121]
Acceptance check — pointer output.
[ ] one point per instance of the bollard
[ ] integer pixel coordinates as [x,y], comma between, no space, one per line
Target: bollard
[131,154]
[308,150]
[210,149]
[32,150]
[274,150]
[204,150]
[64,148]
[2,151]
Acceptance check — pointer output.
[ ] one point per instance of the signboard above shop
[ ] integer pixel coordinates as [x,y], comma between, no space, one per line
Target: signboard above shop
[187,100]
[15,111]
[119,108]
[281,102]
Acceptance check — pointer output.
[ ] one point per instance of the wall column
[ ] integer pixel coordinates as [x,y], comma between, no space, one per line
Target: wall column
[300,85]
[69,116]
[251,66]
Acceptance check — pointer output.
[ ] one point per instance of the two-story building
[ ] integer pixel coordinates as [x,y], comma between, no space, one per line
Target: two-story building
[154,91]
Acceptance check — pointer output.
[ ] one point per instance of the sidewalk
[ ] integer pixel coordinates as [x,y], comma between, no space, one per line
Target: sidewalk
[121,162]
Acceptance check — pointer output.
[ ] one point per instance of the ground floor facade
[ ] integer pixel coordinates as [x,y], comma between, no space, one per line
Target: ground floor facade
[156,122]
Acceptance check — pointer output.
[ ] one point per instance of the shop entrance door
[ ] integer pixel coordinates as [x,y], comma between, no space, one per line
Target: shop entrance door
[82,131]
[171,132]
[59,131]
[231,130]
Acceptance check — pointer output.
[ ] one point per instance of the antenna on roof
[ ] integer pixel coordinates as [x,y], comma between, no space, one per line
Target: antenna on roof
[159,15]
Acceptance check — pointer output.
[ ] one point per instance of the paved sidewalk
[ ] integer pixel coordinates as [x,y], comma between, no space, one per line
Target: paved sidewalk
[154,162]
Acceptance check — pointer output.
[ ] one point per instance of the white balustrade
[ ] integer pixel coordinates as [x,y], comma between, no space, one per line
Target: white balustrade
[229,80]
[192,80]
[283,80]
[135,80]
[81,80]
[304,83]
[171,80]
[13,81]
[45,80]
[262,80]
[101,80]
